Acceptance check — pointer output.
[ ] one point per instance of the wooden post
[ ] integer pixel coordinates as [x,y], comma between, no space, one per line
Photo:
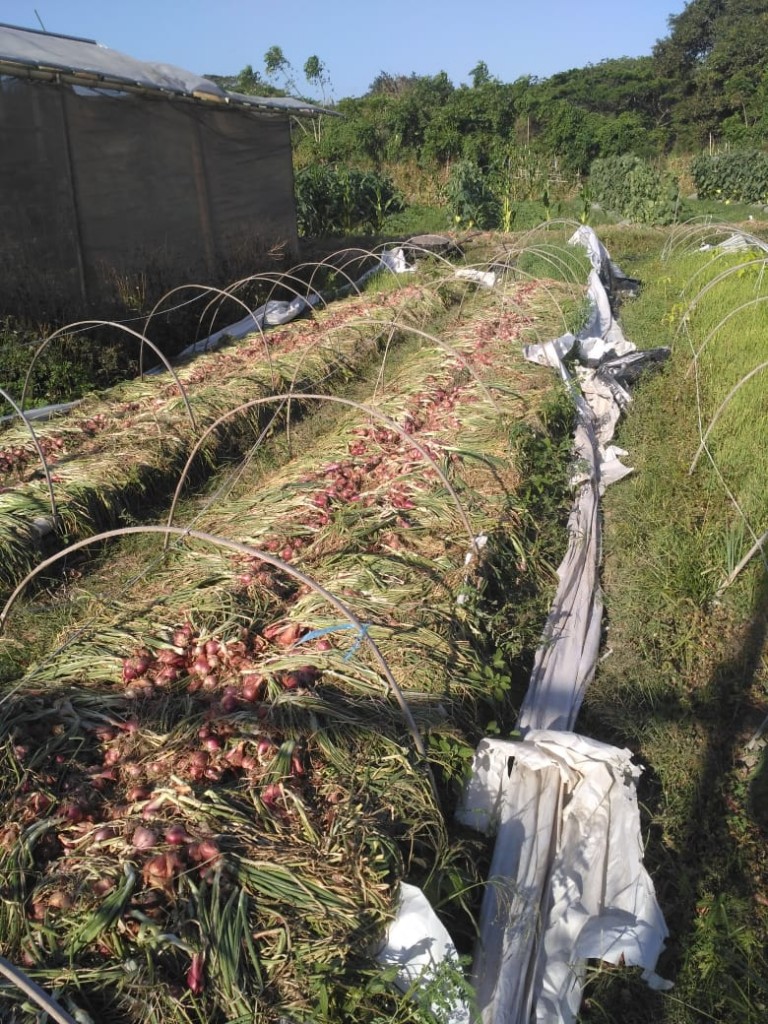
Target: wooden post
[203,198]
[69,165]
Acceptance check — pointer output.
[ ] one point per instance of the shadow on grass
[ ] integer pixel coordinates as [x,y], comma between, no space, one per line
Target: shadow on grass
[708,876]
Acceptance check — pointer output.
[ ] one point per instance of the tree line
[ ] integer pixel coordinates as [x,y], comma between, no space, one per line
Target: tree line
[704,84]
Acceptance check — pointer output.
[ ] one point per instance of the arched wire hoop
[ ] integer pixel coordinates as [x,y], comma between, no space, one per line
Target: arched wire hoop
[731,313]
[41,456]
[393,325]
[203,289]
[275,280]
[440,343]
[720,409]
[270,559]
[128,330]
[562,264]
[686,231]
[537,280]
[33,991]
[349,403]
[708,288]
[547,225]
[722,254]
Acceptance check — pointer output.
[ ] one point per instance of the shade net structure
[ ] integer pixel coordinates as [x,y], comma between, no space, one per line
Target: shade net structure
[131,170]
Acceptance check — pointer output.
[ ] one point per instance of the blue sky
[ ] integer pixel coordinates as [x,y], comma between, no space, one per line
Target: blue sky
[357,40]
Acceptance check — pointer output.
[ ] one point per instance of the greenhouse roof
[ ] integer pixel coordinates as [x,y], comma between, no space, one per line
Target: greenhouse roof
[86,62]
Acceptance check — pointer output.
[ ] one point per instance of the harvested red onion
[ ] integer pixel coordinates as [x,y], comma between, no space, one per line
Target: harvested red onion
[143,838]
[271,794]
[177,835]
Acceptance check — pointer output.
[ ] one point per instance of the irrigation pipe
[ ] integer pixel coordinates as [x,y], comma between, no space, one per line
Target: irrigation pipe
[252,552]
[121,327]
[374,413]
[46,471]
[33,990]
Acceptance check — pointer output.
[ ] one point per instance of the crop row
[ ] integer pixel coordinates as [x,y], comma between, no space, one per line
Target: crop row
[207,775]
[116,455]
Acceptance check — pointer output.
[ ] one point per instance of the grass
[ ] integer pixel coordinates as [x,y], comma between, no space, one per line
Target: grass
[685,683]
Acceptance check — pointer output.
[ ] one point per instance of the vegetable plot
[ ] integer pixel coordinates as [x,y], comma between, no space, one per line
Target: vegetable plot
[116,454]
[212,788]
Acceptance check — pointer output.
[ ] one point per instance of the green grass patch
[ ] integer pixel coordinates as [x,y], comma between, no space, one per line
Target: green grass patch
[685,683]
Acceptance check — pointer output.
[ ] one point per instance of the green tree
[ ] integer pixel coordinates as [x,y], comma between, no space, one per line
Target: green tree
[276,63]
[480,74]
[316,74]
[715,59]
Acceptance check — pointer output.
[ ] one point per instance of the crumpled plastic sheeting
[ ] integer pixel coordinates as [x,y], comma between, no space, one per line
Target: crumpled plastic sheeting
[566,882]
[272,314]
[568,863]
[276,313]
[419,945]
[602,335]
[483,278]
[565,661]
[612,276]
[737,242]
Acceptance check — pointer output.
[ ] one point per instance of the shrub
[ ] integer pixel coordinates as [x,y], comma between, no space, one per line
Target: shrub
[470,196]
[631,188]
[334,201]
[69,368]
[741,176]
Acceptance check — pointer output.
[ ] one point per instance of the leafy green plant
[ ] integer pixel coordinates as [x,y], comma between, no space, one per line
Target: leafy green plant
[470,196]
[741,176]
[68,369]
[332,200]
[632,188]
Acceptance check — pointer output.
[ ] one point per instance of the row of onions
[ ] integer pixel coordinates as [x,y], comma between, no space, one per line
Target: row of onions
[211,789]
[117,453]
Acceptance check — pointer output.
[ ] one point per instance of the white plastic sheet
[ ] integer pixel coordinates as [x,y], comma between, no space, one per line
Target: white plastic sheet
[419,945]
[567,882]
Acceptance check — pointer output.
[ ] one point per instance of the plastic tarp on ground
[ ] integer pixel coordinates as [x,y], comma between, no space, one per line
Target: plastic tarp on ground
[564,809]
[567,881]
